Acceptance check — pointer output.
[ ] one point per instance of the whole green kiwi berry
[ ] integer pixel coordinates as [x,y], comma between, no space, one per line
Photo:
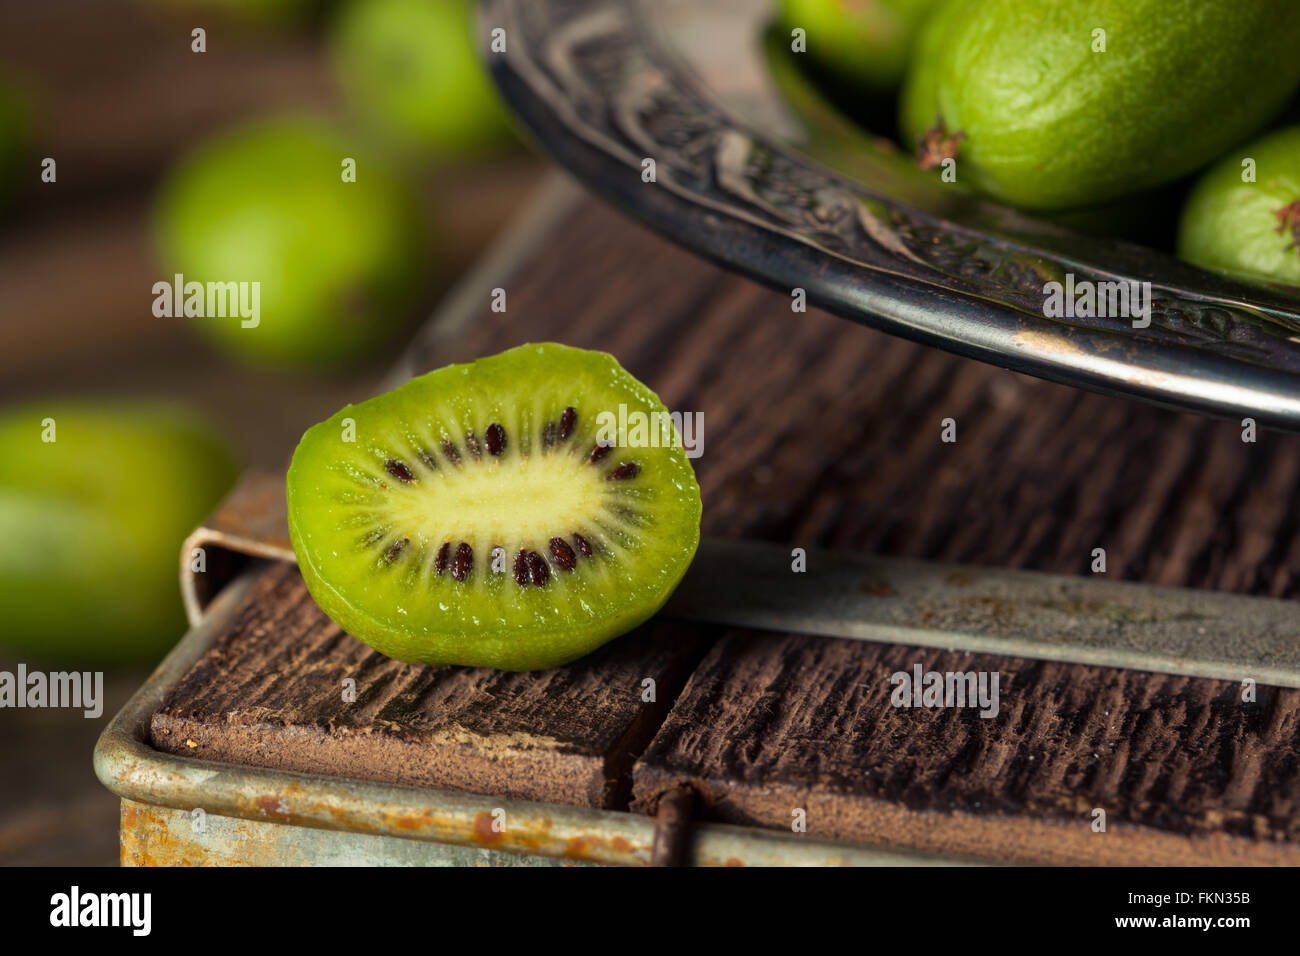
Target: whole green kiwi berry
[338,264]
[1062,103]
[412,66]
[865,42]
[1243,215]
[96,499]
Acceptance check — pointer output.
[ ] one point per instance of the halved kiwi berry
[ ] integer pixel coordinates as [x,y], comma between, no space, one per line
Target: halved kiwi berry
[480,514]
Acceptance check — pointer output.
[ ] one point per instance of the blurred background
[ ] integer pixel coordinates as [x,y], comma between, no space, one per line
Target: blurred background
[176,151]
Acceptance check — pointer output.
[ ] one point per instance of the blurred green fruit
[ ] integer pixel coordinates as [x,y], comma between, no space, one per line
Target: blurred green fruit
[1248,229]
[413,66]
[91,525]
[1054,104]
[339,265]
[864,41]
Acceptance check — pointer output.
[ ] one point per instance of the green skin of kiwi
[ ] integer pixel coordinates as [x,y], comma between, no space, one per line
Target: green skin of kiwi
[339,263]
[1051,124]
[411,613]
[864,41]
[412,67]
[1232,226]
[91,526]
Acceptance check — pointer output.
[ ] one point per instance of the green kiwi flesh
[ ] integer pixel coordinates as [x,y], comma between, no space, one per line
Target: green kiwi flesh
[486,514]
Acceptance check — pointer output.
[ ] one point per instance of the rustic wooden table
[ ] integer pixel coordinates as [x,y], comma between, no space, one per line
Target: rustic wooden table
[822,433]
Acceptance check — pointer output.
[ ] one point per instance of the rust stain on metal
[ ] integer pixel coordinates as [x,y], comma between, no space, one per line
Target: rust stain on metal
[589,846]
[147,840]
[536,836]
[409,821]
[578,847]
[348,820]
[484,832]
[273,806]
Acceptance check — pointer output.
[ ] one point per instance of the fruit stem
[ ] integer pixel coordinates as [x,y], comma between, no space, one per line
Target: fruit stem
[1288,217]
[936,144]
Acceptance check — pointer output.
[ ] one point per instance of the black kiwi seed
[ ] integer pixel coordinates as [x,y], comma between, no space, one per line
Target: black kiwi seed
[395,549]
[629,469]
[550,434]
[398,469]
[599,452]
[521,568]
[537,569]
[460,568]
[582,544]
[450,451]
[471,442]
[567,421]
[426,456]
[440,563]
[563,554]
[496,439]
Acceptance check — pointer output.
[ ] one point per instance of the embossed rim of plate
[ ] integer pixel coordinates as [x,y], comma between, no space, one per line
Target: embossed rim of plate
[595,84]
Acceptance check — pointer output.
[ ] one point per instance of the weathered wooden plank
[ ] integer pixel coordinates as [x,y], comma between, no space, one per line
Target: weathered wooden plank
[833,439]
[821,433]
[271,693]
[1186,774]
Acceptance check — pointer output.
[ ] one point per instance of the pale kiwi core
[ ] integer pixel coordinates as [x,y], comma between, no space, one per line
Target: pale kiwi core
[543,493]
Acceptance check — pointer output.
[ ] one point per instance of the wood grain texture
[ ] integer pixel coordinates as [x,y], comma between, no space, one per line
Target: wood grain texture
[1185,773]
[831,437]
[822,433]
[271,694]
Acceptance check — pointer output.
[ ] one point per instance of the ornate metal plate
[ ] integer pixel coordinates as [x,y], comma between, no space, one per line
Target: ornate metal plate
[754,173]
